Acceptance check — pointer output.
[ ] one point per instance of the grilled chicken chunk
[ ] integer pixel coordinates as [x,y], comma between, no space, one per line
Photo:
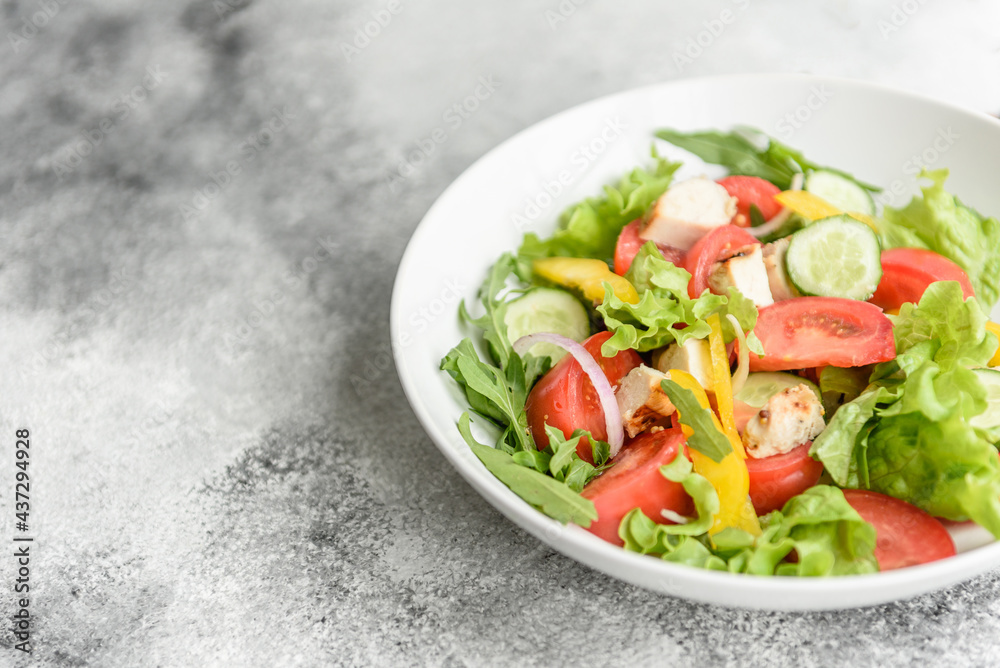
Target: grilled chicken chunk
[789,419]
[746,272]
[687,212]
[641,401]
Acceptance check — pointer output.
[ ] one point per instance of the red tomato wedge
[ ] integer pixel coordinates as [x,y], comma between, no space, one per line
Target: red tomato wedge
[634,481]
[906,273]
[566,399]
[751,190]
[822,331]
[629,243]
[774,480]
[717,244]
[905,535]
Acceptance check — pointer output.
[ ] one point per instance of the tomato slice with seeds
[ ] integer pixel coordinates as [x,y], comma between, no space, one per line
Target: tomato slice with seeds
[905,535]
[822,331]
[566,399]
[714,246]
[906,273]
[629,243]
[634,481]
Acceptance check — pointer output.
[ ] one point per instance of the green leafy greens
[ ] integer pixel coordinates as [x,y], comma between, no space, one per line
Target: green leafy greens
[939,222]
[590,229]
[705,437]
[664,304]
[550,479]
[908,433]
[750,152]
[826,534]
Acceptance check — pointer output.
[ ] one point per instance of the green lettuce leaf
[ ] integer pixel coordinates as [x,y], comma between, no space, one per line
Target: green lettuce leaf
[909,434]
[663,304]
[590,229]
[842,444]
[826,534]
[838,386]
[750,152]
[956,325]
[939,222]
[942,466]
[642,534]
[684,543]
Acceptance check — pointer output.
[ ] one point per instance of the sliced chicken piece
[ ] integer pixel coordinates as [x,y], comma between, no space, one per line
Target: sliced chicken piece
[745,271]
[774,263]
[687,212]
[789,419]
[641,400]
[695,357]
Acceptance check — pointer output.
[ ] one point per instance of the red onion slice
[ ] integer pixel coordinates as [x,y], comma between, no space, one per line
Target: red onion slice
[606,393]
[782,216]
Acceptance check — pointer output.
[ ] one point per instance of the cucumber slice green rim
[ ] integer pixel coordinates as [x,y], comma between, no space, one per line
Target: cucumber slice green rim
[835,257]
[841,192]
[762,385]
[547,310]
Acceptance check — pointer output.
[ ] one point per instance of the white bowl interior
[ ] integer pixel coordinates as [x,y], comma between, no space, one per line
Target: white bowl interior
[879,135]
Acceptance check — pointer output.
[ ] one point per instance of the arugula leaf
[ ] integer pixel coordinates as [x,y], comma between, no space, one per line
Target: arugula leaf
[663,304]
[706,437]
[492,321]
[552,497]
[590,229]
[493,393]
[750,152]
[549,479]
[940,222]
[565,465]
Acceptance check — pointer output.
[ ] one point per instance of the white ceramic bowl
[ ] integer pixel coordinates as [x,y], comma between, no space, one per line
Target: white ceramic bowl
[878,134]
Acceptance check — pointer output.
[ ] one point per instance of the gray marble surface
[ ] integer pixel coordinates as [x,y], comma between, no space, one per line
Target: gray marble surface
[199,230]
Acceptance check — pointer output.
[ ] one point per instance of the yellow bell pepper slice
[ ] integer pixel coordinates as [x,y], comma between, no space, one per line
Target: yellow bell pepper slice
[585,275]
[722,383]
[812,207]
[729,477]
[806,204]
[995,328]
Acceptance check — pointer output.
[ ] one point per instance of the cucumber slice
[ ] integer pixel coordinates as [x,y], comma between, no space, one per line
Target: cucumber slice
[762,385]
[841,192]
[990,418]
[835,257]
[547,310]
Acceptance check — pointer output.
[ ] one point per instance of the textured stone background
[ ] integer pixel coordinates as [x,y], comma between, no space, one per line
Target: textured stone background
[210,488]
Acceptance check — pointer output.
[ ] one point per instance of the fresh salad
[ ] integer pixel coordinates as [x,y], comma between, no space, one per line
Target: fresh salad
[768,374]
